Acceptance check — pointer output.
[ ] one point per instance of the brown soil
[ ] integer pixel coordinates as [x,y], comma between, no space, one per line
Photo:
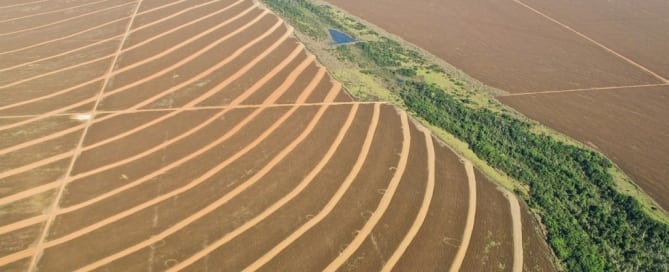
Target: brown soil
[352,211]
[630,126]
[435,245]
[397,220]
[535,249]
[526,46]
[633,29]
[500,43]
[269,189]
[491,246]
[215,131]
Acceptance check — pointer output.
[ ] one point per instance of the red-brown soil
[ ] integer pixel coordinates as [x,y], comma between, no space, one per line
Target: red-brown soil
[194,129]
[491,247]
[500,43]
[601,58]
[630,126]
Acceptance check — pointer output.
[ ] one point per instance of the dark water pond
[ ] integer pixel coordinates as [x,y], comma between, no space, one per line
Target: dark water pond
[340,37]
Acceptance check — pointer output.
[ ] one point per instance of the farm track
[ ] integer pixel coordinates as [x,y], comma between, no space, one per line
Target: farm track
[609,50]
[187,130]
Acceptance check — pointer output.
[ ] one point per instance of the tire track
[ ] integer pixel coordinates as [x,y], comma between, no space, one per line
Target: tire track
[600,45]
[517,232]
[151,77]
[281,202]
[150,100]
[364,151]
[163,19]
[211,172]
[69,153]
[66,20]
[216,89]
[383,204]
[227,197]
[471,216]
[587,89]
[52,11]
[51,212]
[134,84]
[65,37]
[425,206]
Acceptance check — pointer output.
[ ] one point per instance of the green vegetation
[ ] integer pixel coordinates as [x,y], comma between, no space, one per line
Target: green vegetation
[591,225]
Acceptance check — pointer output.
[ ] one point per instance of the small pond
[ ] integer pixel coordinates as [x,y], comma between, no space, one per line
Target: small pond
[340,37]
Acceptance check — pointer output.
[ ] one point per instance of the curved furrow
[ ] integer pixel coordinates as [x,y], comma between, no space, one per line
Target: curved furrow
[204,96]
[69,153]
[66,20]
[227,197]
[517,226]
[287,83]
[51,11]
[14,226]
[145,102]
[280,203]
[469,224]
[137,83]
[385,201]
[173,15]
[179,162]
[422,212]
[362,157]
[23,4]
[123,51]
[65,37]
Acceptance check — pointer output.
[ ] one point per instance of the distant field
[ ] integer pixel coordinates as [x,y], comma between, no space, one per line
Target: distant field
[581,48]
[629,125]
[197,134]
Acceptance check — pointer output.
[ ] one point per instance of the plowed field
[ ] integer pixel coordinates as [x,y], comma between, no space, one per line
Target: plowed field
[199,134]
[549,55]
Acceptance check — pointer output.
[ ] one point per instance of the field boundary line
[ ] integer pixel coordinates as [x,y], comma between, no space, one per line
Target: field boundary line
[196,108]
[228,196]
[306,181]
[51,11]
[133,65]
[383,204]
[153,23]
[51,212]
[265,134]
[517,232]
[23,4]
[131,85]
[135,46]
[611,51]
[60,156]
[611,88]
[424,208]
[67,19]
[65,37]
[334,200]
[152,99]
[471,217]
[169,166]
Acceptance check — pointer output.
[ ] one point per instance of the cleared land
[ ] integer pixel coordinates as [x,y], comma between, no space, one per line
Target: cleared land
[193,134]
[630,126]
[568,47]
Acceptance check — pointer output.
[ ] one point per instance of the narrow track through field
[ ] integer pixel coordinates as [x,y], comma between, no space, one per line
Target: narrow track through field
[254,100]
